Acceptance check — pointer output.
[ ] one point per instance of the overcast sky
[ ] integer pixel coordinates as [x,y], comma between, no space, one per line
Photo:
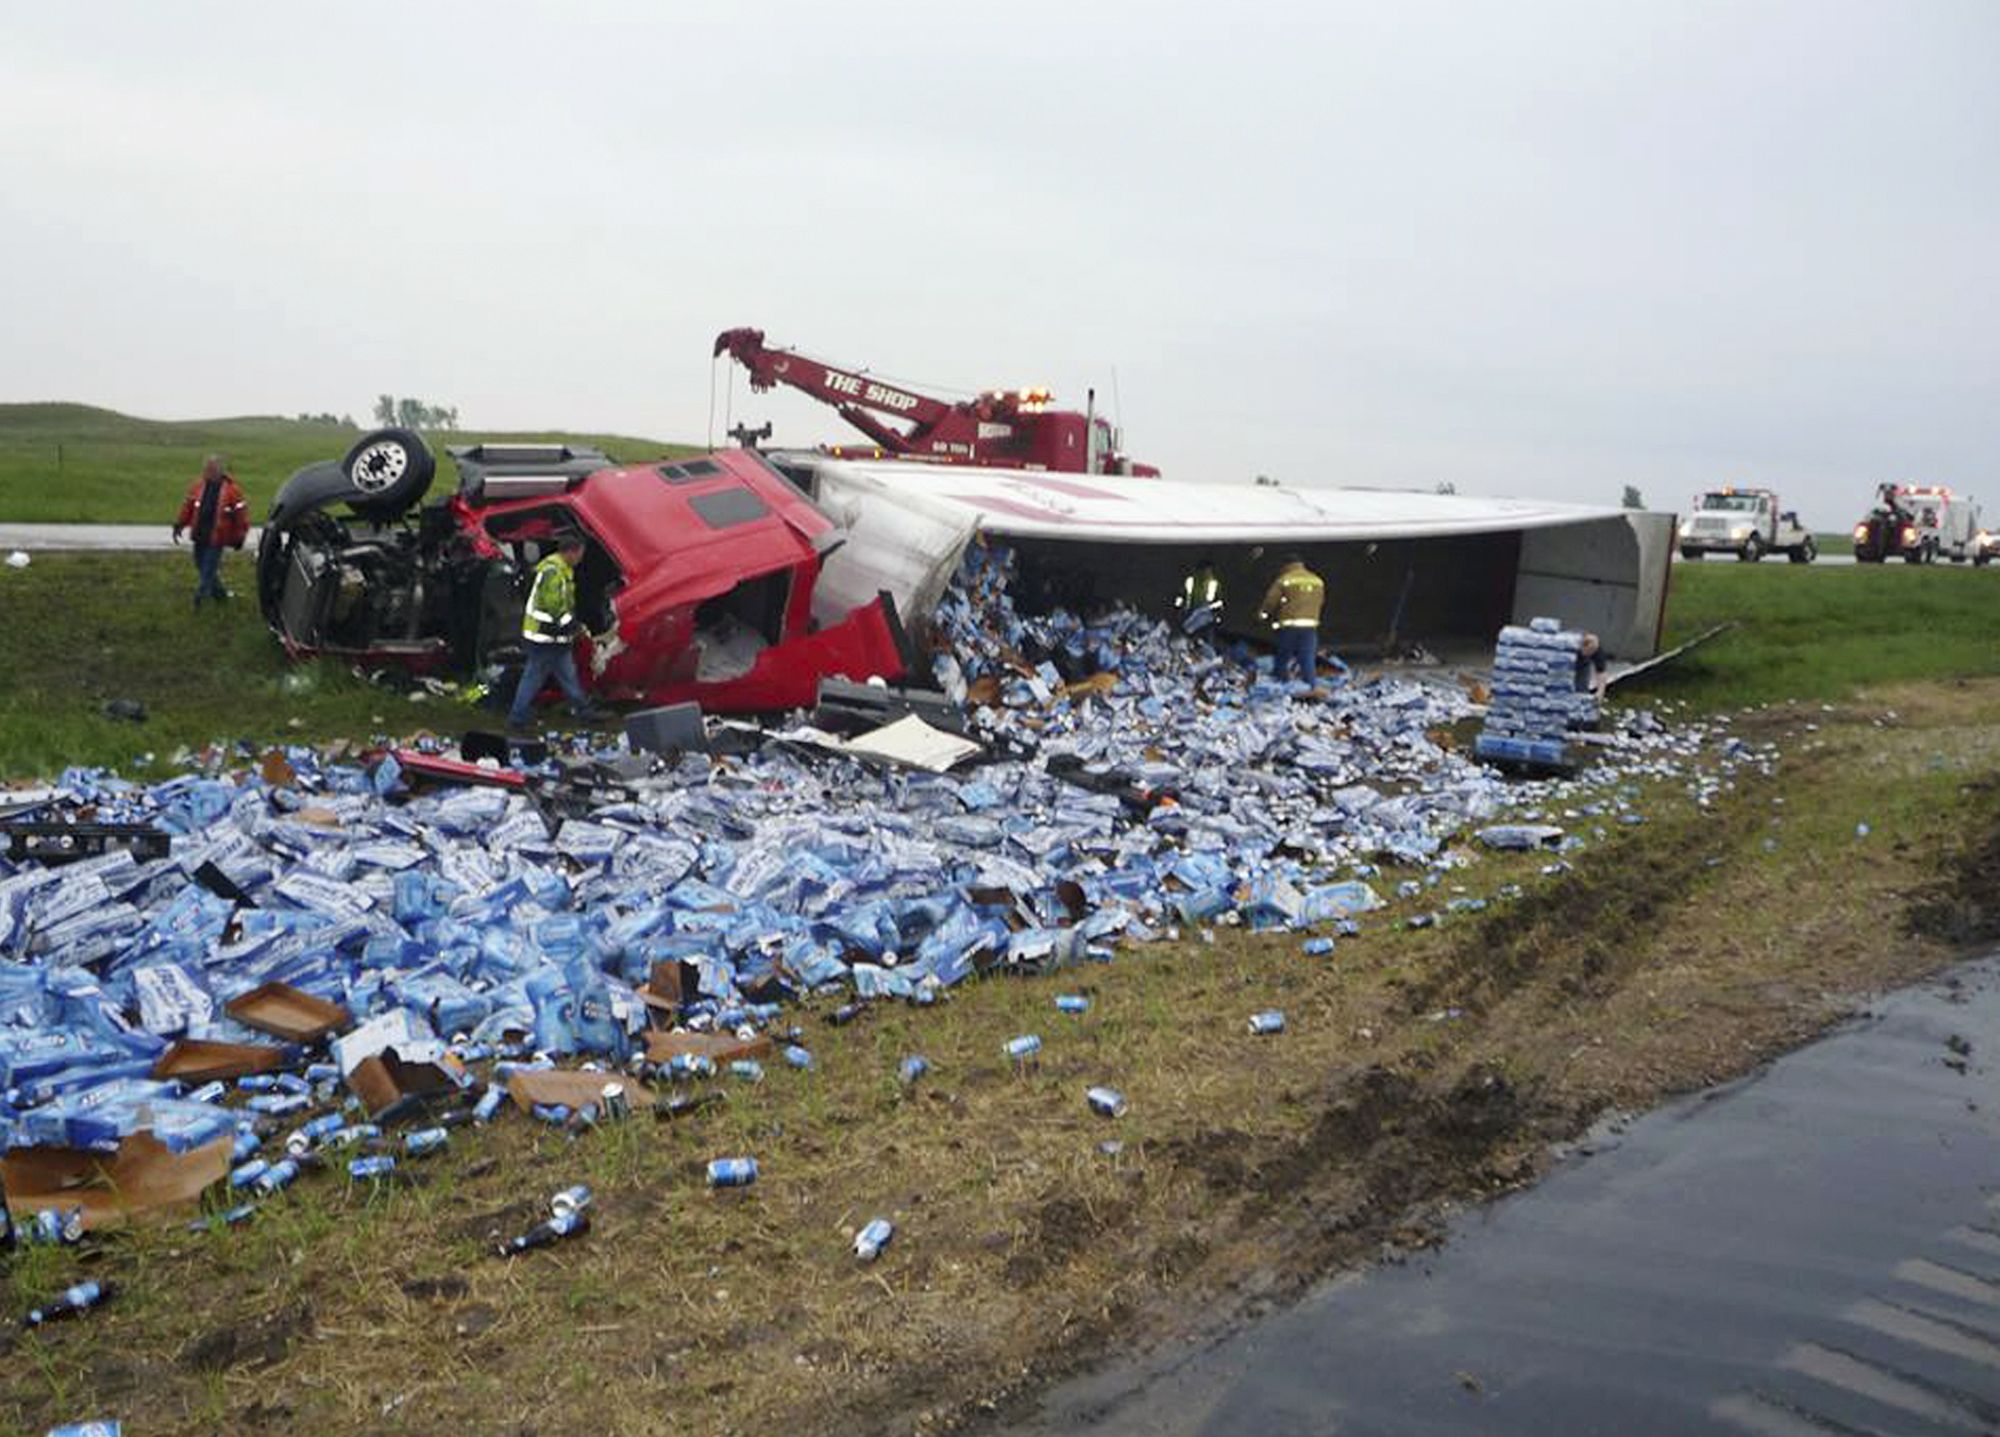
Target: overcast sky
[1535,248]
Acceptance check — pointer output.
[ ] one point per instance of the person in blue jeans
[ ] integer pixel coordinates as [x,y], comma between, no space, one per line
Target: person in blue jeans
[548,633]
[1292,607]
[216,517]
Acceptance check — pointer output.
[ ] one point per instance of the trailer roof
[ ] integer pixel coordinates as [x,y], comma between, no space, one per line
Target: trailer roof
[1115,508]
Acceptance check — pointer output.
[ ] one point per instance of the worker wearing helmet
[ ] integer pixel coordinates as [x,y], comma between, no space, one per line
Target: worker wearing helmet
[548,632]
[1200,600]
[1292,607]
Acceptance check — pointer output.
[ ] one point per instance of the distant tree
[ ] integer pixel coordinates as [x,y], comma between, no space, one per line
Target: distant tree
[1633,500]
[1447,487]
[347,421]
[415,413]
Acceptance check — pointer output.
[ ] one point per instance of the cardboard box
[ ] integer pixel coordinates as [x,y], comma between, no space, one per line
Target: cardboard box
[570,1088]
[721,1047]
[388,1085]
[112,1188]
[663,989]
[286,1012]
[197,1060]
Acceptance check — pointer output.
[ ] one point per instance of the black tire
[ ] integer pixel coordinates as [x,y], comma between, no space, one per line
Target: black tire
[1804,553]
[1691,554]
[1752,550]
[1980,561]
[1913,556]
[390,469]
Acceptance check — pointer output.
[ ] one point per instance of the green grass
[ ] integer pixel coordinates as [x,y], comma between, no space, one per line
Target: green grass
[1821,634]
[86,628]
[82,629]
[1017,1241]
[75,464]
[978,1162]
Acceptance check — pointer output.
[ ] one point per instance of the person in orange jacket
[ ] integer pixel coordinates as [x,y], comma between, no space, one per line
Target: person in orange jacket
[217,518]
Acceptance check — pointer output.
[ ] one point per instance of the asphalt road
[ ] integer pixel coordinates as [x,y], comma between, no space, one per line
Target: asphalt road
[135,537]
[1812,1251]
[1834,559]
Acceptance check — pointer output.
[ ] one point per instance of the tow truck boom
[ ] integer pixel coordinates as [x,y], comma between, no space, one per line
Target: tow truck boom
[1013,428]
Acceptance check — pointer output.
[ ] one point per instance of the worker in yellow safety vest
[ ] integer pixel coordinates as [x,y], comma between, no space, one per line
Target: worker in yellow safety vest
[1292,606]
[1200,599]
[548,631]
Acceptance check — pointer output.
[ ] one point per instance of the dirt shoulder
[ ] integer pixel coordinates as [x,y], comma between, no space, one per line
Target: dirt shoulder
[1419,1069]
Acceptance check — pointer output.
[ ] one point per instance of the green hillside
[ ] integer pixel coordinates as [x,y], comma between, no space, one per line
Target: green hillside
[72,463]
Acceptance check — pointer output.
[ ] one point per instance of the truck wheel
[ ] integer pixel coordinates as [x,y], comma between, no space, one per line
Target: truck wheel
[390,470]
[1913,556]
[1980,561]
[1804,553]
[1691,554]
[1752,550]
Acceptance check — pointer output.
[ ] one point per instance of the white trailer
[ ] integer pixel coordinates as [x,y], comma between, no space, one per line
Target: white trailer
[1947,523]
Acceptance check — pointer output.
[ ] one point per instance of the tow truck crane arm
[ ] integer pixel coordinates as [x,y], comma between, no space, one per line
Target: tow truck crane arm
[1015,428]
[852,395]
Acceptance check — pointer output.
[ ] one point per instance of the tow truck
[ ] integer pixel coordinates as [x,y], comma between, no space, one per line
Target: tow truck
[1747,523]
[1000,428]
[1922,523]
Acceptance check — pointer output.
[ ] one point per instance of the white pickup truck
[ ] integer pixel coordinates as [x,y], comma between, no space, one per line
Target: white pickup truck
[1746,523]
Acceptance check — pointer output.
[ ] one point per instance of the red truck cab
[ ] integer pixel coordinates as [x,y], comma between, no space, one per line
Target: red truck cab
[696,582]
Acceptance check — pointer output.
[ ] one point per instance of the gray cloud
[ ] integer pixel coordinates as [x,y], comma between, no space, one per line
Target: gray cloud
[1539,248]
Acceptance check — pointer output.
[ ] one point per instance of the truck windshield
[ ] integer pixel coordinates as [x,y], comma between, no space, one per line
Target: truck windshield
[1730,503]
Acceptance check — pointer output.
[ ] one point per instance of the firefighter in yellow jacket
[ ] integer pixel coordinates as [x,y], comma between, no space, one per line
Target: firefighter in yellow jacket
[1200,600]
[1292,606]
[548,634]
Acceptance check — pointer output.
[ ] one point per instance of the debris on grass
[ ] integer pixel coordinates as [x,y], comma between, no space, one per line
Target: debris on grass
[565,923]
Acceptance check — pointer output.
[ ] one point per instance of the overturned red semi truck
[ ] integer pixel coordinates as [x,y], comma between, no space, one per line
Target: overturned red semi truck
[697,581]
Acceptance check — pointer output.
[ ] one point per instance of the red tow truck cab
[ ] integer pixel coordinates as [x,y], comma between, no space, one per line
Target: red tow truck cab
[696,583]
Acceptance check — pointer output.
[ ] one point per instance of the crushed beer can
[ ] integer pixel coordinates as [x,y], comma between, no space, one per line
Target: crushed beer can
[574,1198]
[869,1242]
[732,1172]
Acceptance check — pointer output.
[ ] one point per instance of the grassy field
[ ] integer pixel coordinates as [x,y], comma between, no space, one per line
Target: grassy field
[1822,633]
[1418,1067]
[87,628]
[71,463]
